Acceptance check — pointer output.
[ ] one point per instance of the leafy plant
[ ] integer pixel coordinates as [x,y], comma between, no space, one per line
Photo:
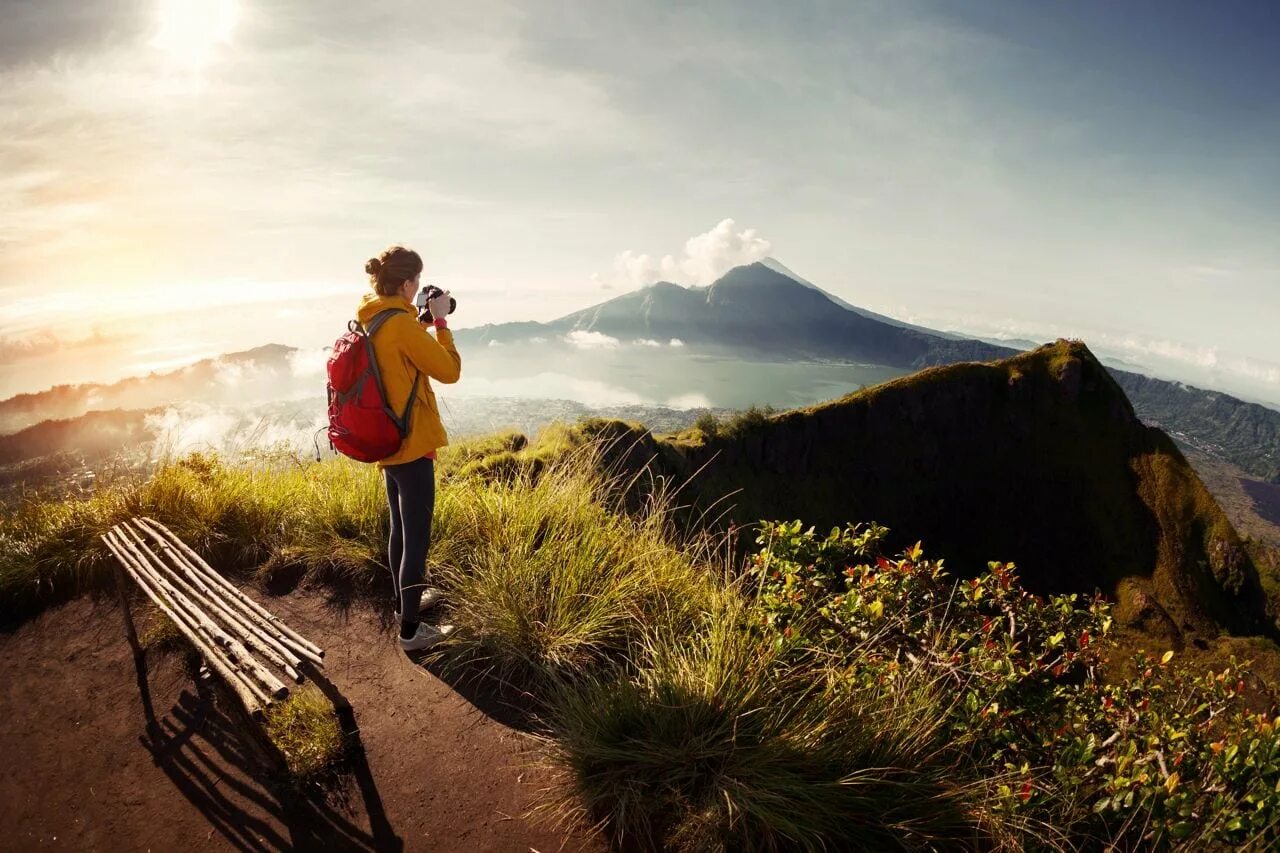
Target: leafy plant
[1160,756]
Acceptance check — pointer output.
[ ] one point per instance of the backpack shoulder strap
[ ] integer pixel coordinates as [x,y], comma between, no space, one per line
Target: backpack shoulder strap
[380,318]
[401,421]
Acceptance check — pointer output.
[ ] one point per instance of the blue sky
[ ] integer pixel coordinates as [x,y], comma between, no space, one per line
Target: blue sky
[1101,170]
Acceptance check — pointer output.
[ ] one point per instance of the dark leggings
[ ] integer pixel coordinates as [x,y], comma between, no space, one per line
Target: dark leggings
[411,495]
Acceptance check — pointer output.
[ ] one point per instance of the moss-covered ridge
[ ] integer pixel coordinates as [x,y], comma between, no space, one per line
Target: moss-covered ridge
[1037,459]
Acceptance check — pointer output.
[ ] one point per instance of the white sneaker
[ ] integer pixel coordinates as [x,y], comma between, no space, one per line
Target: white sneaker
[431,596]
[425,637]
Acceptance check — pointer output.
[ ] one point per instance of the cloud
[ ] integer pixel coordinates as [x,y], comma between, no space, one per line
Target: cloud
[648,342]
[1210,358]
[45,343]
[583,339]
[692,400]
[231,373]
[676,342]
[706,257]
[1196,364]
[198,426]
[309,363]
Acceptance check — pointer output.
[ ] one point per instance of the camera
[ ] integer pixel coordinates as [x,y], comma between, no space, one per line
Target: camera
[430,291]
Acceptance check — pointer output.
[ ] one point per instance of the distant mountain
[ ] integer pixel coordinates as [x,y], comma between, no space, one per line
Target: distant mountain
[752,309]
[779,267]
[764,310]
[257,375]
[1039,459]
[1245,434]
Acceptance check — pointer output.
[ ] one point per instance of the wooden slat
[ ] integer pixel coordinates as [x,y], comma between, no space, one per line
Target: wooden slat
[250,629]
[194,607]
[300,644]
[213,656]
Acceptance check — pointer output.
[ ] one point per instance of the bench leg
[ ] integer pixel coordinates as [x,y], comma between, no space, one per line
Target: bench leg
[139,656]
[129,631]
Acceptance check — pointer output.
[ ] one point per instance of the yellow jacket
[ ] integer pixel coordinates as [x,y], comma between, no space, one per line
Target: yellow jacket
[404,349]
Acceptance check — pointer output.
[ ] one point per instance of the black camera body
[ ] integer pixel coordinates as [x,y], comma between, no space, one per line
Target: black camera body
[430,291]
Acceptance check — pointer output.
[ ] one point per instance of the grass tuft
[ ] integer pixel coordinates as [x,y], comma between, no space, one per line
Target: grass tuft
[716,742]
[305,728]
[548,580]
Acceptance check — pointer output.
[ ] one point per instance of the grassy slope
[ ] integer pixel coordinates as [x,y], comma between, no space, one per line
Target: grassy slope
[1037,459]
[670,718]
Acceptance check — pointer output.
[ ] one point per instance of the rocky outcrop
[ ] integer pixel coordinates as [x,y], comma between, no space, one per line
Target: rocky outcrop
[1038,459]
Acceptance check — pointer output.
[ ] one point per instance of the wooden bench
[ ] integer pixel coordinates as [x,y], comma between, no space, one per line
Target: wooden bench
[253,651]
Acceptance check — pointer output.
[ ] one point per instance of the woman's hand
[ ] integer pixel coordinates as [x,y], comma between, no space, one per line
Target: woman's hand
[439,305]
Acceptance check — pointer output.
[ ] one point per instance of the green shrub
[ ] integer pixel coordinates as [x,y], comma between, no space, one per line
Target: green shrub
[708,424]
[745,421]
[1156,755]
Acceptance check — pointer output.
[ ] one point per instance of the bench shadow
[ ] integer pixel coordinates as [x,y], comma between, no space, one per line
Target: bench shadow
[210,758]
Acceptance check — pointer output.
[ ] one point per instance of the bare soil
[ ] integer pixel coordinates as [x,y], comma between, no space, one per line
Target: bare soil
[434,766]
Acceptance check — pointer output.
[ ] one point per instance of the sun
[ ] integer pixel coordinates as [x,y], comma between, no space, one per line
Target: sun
[189,31]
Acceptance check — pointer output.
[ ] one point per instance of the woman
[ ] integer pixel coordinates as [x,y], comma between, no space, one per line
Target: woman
[406,352]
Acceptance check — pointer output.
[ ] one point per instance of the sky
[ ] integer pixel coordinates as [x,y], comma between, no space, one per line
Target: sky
[181,178]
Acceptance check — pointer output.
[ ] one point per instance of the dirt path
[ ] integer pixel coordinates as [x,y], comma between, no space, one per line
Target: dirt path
[80,772]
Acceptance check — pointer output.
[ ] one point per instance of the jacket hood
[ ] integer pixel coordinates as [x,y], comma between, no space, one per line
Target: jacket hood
[371,304]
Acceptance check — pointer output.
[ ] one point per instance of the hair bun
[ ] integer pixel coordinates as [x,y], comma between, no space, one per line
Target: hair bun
[373,266]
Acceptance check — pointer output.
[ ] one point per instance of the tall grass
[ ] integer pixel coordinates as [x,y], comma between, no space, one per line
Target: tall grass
[717,742]
[548,578]
[273,511]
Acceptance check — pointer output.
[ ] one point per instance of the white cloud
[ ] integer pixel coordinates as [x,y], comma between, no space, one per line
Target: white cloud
[230,373]
[495,343]
[308,363]
[197,426]
[692,400]
[1205,366]
[1209,358]
[709,256]
[583,339]
[706,257]
[676,342]
[648,342]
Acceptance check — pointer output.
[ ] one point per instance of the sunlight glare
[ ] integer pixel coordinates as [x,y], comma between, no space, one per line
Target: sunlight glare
[190,30]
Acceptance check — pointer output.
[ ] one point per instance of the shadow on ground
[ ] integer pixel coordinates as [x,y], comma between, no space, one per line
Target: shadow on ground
[220,769]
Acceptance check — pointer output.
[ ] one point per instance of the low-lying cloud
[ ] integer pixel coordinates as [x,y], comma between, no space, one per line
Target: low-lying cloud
[583,339]
[1203,366]
[45,343]
[196,426]
[706,257]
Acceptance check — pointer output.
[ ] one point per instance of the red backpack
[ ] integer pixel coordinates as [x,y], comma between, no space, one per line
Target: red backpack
[361,423]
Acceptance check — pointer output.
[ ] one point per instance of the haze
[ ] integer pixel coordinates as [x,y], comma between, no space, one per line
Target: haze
[181,179]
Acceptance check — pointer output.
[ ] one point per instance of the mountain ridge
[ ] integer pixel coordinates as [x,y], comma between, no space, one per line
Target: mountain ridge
[1039,459]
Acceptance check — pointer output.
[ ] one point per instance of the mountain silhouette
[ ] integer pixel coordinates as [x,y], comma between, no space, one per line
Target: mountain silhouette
[752,310]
